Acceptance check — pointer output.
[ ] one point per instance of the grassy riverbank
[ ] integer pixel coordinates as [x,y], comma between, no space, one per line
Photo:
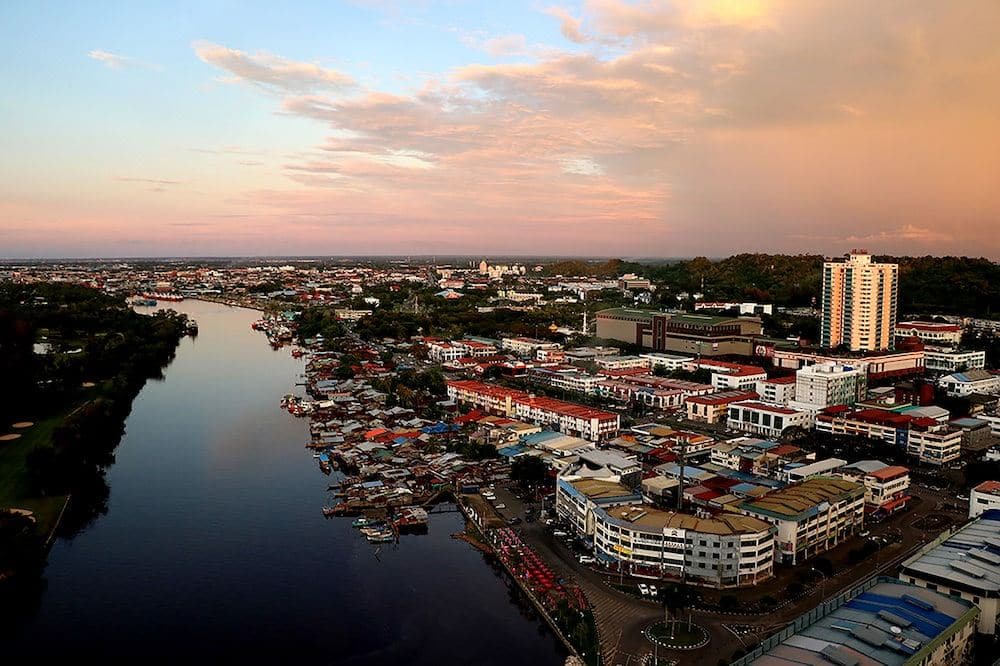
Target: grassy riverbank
[73,359]
[15,483]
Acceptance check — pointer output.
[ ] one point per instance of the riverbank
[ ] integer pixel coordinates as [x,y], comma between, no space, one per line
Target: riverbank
[212,543]
[75,391]
[395,457]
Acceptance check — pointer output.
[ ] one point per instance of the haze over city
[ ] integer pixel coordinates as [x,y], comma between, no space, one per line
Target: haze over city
[601,127]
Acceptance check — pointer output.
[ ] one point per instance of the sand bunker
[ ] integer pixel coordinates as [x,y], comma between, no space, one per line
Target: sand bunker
[10,438]
[22,424]
[89,385]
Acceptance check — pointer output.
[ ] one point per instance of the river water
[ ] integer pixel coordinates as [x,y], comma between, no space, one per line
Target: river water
[214,548]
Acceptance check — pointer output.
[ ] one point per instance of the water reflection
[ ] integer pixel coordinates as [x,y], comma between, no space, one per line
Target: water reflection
[213,546]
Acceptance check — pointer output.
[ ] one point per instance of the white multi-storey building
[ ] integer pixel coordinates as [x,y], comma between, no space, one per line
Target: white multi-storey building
[972,381]
[527,346]
[931,333]
[727,550]
[622,363]
[824,384]
[984,497]
[766,420]
[777,390]
[948,360]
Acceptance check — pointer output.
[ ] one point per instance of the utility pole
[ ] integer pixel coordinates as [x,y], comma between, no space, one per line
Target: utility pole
[680,486]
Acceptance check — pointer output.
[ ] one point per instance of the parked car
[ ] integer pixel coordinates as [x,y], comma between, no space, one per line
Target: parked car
[586,559]
[864,534]
[500,505]
[643,589]
[559,533]
[515,521]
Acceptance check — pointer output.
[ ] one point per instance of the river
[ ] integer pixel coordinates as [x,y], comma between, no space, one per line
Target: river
[214,547]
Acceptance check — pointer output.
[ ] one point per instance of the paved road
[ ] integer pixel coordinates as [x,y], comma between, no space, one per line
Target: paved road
[622,617]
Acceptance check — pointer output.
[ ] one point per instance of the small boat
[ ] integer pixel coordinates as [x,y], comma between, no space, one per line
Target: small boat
[329,511]
[163,296]
[382,537]
[361,522]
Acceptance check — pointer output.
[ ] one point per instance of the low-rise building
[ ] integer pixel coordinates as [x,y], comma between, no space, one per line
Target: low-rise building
[964,563]
[777,390]
[882,621]
[567,417]
[924,438]
[930,332]
[984,497]
[798,472]
[727,550]
[713,408]
[631,392]
[886,486]
[668,362]
[950,360]
[577,499]
[567,378]
[969,382]
[738,378]
[879,365]
[622,363]
[977,435]
[812,516]
[527,346]
[765,420]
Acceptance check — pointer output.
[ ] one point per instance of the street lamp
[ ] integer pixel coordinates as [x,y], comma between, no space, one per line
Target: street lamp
[822,584]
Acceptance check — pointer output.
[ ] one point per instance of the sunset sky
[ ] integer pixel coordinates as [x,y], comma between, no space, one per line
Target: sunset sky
[605,127]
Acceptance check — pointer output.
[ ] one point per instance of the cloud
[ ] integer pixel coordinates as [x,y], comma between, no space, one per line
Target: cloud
[681,127]
[569,25]
[907,232]
[582,166]
[152,181]
[271,71]
[116,61]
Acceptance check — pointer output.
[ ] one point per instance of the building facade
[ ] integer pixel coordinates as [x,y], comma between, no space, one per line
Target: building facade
[812,516]
[723,551]
[824,384]
[930,332]
[964,563]
[859,303]
[766,420]
[568,417]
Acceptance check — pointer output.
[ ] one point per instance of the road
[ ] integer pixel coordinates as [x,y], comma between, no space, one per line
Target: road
[621,617]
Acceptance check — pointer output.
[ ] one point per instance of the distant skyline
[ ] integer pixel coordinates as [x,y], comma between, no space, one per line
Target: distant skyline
[598,127]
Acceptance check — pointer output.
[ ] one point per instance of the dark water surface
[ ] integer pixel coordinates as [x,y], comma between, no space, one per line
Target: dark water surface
[214,547]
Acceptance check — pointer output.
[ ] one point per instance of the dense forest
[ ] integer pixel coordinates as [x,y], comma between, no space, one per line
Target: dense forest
[72,359]
[945,285]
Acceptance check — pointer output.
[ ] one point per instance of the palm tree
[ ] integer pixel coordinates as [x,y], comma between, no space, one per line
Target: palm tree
[675,598]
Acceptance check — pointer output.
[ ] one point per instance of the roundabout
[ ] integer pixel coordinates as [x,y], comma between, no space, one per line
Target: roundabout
[683,636]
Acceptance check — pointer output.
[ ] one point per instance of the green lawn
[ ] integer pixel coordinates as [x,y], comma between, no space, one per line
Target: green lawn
[13,474]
